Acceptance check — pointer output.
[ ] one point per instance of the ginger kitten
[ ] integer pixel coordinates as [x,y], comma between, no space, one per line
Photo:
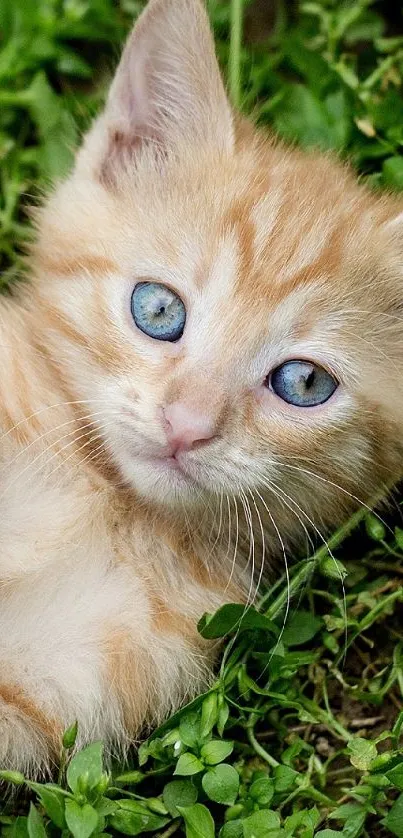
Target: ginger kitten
[210,343]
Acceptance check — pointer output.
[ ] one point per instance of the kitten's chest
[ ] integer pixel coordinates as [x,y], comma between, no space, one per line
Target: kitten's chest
[59,526]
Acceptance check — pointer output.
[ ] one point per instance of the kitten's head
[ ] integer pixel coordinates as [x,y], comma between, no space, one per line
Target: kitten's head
[229,308]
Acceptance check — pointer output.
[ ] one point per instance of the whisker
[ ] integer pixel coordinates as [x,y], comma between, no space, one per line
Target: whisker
[321,536]
[234,558]
[282,545]
[46,408]
[337,486]
[373,346]
[263,547]
[89,456]
[43,453]
[212,548]
[251,556]
[53,430]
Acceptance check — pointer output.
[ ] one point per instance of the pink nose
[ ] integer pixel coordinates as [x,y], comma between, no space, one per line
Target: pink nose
[186,429]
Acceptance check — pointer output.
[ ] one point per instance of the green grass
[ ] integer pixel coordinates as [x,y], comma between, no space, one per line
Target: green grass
[301,734]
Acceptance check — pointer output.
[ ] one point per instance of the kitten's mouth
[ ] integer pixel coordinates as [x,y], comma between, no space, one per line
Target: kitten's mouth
[171,465]
[161,475]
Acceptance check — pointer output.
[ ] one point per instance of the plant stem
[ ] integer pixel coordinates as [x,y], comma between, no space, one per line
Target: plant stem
[234,60]
[257,747]
[299,578]
[304,571]
[171,829]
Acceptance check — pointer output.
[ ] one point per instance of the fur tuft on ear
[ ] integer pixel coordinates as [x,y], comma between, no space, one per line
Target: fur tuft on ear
[167,89]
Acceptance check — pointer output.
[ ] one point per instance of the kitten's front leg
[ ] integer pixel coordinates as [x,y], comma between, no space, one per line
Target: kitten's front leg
[29,740]
[89,643]
[65,639]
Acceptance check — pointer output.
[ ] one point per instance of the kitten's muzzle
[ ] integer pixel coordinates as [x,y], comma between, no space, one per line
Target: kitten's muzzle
[186,428]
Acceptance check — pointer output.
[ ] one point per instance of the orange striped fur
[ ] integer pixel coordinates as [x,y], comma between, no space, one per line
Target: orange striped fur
[108,558]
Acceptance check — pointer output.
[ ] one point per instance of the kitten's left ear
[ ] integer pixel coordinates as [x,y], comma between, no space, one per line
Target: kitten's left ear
[167,89]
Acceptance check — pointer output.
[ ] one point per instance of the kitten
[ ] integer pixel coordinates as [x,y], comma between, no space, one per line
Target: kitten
[210,343]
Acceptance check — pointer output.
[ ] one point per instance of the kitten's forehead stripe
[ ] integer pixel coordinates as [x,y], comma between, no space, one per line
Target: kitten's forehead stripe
[239,219]
[322,258]
[303,229]
[307,250]
[77,263]
[264,215]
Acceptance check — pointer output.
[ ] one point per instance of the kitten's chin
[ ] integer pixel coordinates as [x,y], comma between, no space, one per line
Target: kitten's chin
[162,481]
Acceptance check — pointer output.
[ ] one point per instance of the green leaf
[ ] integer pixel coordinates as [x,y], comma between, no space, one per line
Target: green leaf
[284,778]
[354,824]
[156,805]
[179,793]
[171,723]
[328,833]
[53,804]
[308,63]
[395,775]
[189,730]
[362,752]
[261,824]
[187,765]
[345,811]
[333,568]
[302,116]
[231,618]
[133,818]
[82,821]
[198,820]
[394,818]
[309,819]
[373,524]
[392,171]
[86,764]
[262,789]
[106,807]
[217,750]
[143,753]
[35,825]
[233,829]
[399,537]
[209,715]
[19,828]
[72,64]
[221,784]
[223,714]
[302,627]
[131,824]
[55,125]
[354,816]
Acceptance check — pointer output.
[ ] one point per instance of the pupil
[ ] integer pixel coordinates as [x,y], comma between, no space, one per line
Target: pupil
[309,381]
[161,310]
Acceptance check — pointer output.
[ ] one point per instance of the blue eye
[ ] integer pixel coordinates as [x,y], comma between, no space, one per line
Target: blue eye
[302,383]
[157,311]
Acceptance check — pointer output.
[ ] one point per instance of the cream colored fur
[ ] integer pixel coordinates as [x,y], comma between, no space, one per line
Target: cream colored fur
[107,558]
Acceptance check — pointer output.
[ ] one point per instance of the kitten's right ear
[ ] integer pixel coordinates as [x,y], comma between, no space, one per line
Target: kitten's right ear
[167,89]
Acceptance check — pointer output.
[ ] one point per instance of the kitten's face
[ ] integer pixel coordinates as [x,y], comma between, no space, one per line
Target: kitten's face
[226,308]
